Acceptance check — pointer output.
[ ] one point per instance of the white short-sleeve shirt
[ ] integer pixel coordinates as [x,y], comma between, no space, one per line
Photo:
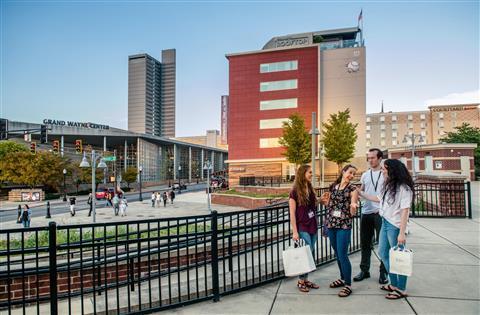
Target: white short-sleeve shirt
[372,185]
[391,210]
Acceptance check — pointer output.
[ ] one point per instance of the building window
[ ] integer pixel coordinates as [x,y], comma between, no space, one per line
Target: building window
[367,135]
[272,123]
[423,133]
[382,143]
[422,116]
[454,115]
[368,128]
[279,104]
[410,125]
[382,134]
[441,124]
[382,118]
[269,143]
[423,125]
[394,142]
[368,119]
[440,115]
[279,66]
[278,85]
[368,144]
[410,117]
[394,126]
[394,117]
[382,127]
[394,134]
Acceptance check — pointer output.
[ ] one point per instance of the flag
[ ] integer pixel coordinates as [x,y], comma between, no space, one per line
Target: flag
[360,16]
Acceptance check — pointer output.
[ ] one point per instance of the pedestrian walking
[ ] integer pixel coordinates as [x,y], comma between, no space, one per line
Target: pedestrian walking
[90,204]
[123,206]
[19,214]
[116,204]
[172,196]
[395,200]
[164,197]
[341,208]
[303,218]
[154,199]
[159,199]
[26,216]
[73,201]
[107,198]
[370,220]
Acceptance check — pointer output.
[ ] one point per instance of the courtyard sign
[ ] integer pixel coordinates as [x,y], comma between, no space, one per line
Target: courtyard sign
[74,124]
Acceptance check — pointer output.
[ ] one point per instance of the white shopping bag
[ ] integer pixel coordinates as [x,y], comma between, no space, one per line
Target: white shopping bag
[298,260]
[401,261]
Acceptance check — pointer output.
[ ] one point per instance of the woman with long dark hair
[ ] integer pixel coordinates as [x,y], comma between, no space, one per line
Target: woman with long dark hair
[395,201]
[303,216]
[341,208]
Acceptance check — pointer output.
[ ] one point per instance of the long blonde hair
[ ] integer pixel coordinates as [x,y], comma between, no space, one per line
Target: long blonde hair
[300,184]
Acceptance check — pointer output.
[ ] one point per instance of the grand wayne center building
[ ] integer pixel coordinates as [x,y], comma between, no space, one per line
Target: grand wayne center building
[321,72]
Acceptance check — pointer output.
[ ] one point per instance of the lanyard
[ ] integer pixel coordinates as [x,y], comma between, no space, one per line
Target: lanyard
[375,185]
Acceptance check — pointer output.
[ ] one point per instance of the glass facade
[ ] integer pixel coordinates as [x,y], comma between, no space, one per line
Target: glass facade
[278,85]
[272,123]
[279,104]
[279,66]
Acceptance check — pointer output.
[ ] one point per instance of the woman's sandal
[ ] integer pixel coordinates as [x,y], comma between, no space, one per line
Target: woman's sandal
[387,288]
[311,285]
[346,291]
[302,286]
[395,295]
[337,284]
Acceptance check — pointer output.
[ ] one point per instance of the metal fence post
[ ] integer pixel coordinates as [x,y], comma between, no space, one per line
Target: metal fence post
[52,252]
[469,200]
[214,254]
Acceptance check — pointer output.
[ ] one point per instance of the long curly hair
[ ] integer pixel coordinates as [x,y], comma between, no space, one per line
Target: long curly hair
[300,185]
[339,178]
[398,176]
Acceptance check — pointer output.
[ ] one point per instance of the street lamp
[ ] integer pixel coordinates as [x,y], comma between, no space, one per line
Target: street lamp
[64,185]
[94,166]
[411,137]
[322,152]
[314,132]
[208,166]
[140,169]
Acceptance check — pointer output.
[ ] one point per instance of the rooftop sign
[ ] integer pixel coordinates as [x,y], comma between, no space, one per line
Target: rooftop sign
[76,124]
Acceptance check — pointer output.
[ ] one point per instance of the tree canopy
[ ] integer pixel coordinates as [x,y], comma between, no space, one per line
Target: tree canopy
[296,140]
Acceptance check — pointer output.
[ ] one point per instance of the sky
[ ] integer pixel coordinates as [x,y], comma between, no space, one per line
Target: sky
[68,60]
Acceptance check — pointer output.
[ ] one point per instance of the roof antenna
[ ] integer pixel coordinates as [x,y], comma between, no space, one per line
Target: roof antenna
[382,107]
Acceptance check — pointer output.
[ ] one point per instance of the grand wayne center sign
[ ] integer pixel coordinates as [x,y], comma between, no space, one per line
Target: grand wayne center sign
[76,124]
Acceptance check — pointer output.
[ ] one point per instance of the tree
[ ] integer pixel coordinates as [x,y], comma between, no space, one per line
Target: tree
[130,175]
[10,147]
[24,168]
[466,134]
[296,140]
[339,137]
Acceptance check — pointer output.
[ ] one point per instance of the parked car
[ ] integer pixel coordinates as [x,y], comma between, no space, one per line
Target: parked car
[102,193]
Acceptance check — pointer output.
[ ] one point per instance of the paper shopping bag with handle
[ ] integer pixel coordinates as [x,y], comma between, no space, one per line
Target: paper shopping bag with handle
[297,260]
[401,261]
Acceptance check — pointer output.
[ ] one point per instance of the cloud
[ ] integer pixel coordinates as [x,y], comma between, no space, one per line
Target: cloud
[456,98]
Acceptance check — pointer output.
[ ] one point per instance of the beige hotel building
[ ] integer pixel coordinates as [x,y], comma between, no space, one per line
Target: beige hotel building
[388,130]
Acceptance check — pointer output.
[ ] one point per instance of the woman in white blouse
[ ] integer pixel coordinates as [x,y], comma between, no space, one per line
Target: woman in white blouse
[395,202]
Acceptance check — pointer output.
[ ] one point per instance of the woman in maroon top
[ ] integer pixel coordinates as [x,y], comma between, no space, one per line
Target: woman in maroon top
[303,216]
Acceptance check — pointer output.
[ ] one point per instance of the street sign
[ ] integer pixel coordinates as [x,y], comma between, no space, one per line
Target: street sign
[110,158]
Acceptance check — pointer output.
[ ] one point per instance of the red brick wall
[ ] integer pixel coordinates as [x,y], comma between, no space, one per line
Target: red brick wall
[245,96]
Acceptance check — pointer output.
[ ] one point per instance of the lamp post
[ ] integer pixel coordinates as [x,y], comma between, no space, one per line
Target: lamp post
[140,169]
[64,185]
[94,166]
[314,132]
[322,152]
[412,138]
[208,166]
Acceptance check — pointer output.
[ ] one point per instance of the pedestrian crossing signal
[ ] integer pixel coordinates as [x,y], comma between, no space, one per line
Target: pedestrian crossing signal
[56,146]
[33,148]
[78,146]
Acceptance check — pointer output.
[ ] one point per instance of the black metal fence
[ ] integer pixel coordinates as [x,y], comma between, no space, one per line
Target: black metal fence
[145,266]
[151,265]
[277,181]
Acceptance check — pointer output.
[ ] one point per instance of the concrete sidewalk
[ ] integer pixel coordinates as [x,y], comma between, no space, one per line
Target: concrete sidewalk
[445,281]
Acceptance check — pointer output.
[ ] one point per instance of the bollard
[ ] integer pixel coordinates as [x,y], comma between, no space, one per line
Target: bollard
[48,210]
[19,214]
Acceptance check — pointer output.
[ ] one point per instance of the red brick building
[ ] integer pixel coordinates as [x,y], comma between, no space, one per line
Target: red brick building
[321,72]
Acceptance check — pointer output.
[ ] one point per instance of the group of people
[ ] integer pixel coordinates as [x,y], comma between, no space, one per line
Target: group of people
[159,197]
[118,202]
[386,192]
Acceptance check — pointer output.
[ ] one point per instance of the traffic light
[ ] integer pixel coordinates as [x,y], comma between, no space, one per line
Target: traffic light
[43,134]
[78,146]
[3,129]
[56,146]
[33,148]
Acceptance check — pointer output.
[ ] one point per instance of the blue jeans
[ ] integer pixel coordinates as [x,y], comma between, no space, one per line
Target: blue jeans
[388,239]
[26,223]
[340,241]
[310,240]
